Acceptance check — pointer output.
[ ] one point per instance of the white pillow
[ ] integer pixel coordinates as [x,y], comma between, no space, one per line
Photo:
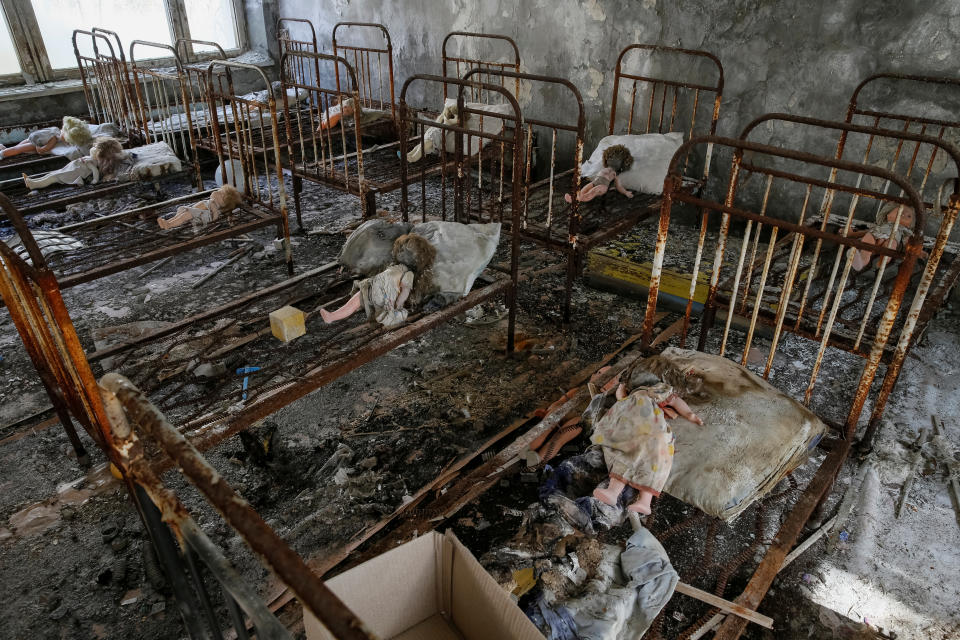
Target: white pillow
[651,153]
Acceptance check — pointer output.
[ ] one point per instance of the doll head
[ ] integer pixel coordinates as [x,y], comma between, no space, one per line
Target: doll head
[654,369]
[907,215]
[618,158]
[107,153]
[416,253]
[226,198]
[76,132]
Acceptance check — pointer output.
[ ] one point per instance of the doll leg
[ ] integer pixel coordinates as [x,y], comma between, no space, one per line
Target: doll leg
[23,147]
[862,257]
[597,190]
[183,216]
[43,181]
[580,194]
[642,503]
[351,307]
[611,494]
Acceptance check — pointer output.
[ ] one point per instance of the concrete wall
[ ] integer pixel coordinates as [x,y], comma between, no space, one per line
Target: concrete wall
[799,57]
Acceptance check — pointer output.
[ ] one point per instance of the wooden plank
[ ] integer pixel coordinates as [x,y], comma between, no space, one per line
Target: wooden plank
[726,605]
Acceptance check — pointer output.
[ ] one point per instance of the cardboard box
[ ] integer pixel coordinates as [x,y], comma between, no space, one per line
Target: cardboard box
[431,588]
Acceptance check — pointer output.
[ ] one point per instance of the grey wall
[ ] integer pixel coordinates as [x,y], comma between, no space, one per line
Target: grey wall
[804,56]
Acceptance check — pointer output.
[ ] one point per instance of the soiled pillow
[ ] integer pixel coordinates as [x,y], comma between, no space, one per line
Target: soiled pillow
[753,436]
[651,153]
[150,161]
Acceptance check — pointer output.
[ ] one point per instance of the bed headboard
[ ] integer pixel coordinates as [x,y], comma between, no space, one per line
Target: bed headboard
[162,103]
[561,140]
[653,98]
[291,44]
[372,63]
[771,274]
[246,135]
[194,80]
[502,53]
[323,154]
[104,74]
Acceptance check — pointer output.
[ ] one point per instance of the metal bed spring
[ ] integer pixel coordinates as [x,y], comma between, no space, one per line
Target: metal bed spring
[736,213]
[134,436]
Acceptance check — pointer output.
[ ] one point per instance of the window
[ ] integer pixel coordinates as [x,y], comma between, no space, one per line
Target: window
[8,56]
[46,28]
[212,20]
[130,19]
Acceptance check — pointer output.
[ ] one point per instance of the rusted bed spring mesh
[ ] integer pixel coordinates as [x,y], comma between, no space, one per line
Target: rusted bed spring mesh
[373,64]
[454,65]
[804,202]
[134,423]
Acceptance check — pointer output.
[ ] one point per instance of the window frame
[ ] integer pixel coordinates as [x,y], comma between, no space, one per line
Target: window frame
[35,66]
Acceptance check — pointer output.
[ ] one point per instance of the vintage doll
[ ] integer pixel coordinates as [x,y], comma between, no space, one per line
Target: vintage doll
[384,295]
[616,160]
[334,114]
[883,234]
[633,433]
[73,131]
[105,160]
[221,201]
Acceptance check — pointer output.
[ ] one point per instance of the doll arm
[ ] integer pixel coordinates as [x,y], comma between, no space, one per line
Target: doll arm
[619,187]
[677,406]
[94,173]
[406,284]
[50,145]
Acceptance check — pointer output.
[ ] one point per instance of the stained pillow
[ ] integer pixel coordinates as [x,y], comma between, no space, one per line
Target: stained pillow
[651,153]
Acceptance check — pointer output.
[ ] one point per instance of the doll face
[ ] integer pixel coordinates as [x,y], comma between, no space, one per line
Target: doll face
[906,216]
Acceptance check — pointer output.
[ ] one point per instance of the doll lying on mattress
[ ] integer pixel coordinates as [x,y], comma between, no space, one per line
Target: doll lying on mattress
[413,267]
[73,139]
[108,160]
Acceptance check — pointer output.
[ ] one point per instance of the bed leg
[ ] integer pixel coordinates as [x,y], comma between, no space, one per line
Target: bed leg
[573,268]
[369,204]
[297,188]
[82,458]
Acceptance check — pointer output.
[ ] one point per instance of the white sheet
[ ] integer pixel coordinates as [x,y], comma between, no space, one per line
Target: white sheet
[651,153]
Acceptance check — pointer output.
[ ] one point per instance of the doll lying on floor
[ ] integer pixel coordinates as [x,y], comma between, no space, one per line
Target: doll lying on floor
[632,430]
[106,159]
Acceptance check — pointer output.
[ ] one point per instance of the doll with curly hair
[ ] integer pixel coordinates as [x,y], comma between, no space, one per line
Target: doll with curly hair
[616,160]
[384,295]
[105,159]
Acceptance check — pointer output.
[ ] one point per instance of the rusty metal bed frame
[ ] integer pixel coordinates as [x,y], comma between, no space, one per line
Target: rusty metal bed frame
[213,413]
[120,241]
[141,100]
[338,159]
[574,229]
[736,218]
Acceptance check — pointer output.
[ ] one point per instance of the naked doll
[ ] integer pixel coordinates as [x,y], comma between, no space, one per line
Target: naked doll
[221,201]
[616,160]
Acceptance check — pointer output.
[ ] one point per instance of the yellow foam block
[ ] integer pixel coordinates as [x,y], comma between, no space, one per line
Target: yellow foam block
[288,323]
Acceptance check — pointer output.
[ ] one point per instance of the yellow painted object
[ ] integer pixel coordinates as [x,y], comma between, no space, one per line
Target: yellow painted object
[636,276]
[288,323]
[525,580]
